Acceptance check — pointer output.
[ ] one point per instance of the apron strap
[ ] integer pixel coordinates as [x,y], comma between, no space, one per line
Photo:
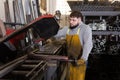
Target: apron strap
[68,31]
[78,31]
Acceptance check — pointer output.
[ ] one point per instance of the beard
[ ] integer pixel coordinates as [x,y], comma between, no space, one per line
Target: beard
[72,27]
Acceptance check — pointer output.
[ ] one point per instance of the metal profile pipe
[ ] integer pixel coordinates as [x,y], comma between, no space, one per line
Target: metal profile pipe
[50,57]
[19,72]
[28,66]
[34,69]
[10,66]
[42,68]
[12,62]
[32,61]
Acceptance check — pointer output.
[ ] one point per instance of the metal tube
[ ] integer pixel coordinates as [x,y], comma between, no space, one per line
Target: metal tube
[19,72]
[34,69]
[50,57]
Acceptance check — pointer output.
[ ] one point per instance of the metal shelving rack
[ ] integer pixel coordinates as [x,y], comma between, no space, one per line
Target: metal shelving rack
[106,32]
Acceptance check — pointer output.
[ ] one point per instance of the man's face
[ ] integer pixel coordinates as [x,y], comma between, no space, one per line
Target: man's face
[74,21]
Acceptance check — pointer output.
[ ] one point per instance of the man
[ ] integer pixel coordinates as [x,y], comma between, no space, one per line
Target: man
[79,44]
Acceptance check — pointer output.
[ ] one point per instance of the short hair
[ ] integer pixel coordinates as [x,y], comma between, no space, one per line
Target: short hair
[77,14]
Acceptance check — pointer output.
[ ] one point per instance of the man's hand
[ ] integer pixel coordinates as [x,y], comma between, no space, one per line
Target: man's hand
[78,62]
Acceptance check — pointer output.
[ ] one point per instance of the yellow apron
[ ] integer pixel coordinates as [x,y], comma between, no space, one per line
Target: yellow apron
[75,50]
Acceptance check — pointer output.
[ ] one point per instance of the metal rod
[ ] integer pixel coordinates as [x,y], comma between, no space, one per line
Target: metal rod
[50,57]
[28,66]
[32,61]
[34,69]
[20,72]
[42,68]
[10,66]
[12,62]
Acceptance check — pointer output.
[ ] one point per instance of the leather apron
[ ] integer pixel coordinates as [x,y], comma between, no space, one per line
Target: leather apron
[74,48]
